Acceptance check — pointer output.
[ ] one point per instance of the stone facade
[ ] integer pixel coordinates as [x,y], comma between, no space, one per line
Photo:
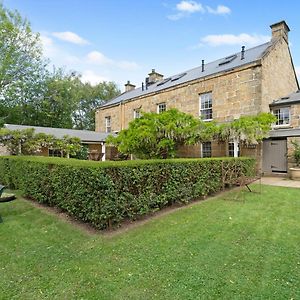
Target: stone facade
[278,74]
[234,93]
[244,90]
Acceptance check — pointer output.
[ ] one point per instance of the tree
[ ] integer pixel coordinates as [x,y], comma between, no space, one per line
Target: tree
[22,68]
[159,135]
[59,101]
[69,103]
[90,98]
[247,129]
[68,146]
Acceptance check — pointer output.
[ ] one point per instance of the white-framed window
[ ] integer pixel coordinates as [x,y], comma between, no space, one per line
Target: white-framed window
[108,124]
[136,113]
[161,107]
[282,115]
[206,149]
[233,147]
[206,107]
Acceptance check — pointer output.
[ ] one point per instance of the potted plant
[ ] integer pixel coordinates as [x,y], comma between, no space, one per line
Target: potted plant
[295,171]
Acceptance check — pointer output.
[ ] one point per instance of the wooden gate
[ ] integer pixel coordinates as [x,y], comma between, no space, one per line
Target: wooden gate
[274,156]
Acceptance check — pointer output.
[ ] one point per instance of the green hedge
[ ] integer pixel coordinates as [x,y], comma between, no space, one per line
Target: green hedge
[104,194]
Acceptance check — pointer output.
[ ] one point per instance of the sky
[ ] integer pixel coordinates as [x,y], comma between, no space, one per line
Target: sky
[121,40]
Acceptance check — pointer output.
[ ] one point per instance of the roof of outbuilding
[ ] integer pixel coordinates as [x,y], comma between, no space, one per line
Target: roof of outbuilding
[290,99]
[83,135]
[215,67]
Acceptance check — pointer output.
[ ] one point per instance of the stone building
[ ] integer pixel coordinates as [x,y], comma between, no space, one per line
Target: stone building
[93,141]
[244,83]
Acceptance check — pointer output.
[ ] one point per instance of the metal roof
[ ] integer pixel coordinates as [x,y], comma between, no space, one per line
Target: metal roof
[288,100]
[84,135]
[289,132]
[250,55]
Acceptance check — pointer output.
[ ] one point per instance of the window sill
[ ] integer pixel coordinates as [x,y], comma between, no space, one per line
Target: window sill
[275,127]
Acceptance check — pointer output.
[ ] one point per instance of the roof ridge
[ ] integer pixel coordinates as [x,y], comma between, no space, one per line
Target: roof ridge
[59,128]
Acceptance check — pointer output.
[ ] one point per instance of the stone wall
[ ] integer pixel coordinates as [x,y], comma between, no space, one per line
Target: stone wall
[95,147]
[278,76]
[247,90]
[295,115]
[115,114]
[234,93]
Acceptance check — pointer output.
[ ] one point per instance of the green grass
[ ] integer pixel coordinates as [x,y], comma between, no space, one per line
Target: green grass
[217,249]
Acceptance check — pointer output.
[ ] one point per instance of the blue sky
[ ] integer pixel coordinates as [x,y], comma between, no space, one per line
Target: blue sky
[123,40]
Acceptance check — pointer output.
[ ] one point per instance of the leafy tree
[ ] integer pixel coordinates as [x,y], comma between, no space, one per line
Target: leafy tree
[90,98]
[22,68]
[159,135]
[59,101]
[247,129]
[30,94]
[68,146]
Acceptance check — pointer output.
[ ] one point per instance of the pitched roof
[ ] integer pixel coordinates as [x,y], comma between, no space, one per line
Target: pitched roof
[221,65]
[290,99]
[83,135]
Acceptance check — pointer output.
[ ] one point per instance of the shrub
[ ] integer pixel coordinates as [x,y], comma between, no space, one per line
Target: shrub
[104,194]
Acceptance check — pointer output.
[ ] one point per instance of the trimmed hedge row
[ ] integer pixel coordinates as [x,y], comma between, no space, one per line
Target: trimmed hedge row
[104,194]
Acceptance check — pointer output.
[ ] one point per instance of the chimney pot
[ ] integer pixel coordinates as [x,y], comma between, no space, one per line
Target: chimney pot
[202,65]
[243,52]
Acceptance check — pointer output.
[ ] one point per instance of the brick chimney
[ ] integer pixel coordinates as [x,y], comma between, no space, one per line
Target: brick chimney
[154,76]
[280,30]
[129,86]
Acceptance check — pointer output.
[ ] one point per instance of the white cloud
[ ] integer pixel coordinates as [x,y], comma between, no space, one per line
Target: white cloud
[231,39]
[127,65]
[186,7]
[70,37]
[96,57]
[220,10]
[92,77]
[189,7]
[94,66]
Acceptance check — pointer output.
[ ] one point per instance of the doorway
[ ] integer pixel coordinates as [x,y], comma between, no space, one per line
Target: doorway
[275,156]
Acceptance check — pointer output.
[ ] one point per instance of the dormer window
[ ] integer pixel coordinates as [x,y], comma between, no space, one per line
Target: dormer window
[283,116]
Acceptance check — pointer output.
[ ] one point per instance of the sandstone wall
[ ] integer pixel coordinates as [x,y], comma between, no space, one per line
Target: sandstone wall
[234,93]
[278,77]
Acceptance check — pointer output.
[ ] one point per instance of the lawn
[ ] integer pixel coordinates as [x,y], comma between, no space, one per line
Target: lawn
[215,249]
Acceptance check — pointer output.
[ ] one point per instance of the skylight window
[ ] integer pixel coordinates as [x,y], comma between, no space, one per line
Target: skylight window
[164,81]
[176,77]
[228,59]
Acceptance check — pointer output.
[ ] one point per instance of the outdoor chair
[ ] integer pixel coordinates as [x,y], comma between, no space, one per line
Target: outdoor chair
[5,197]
